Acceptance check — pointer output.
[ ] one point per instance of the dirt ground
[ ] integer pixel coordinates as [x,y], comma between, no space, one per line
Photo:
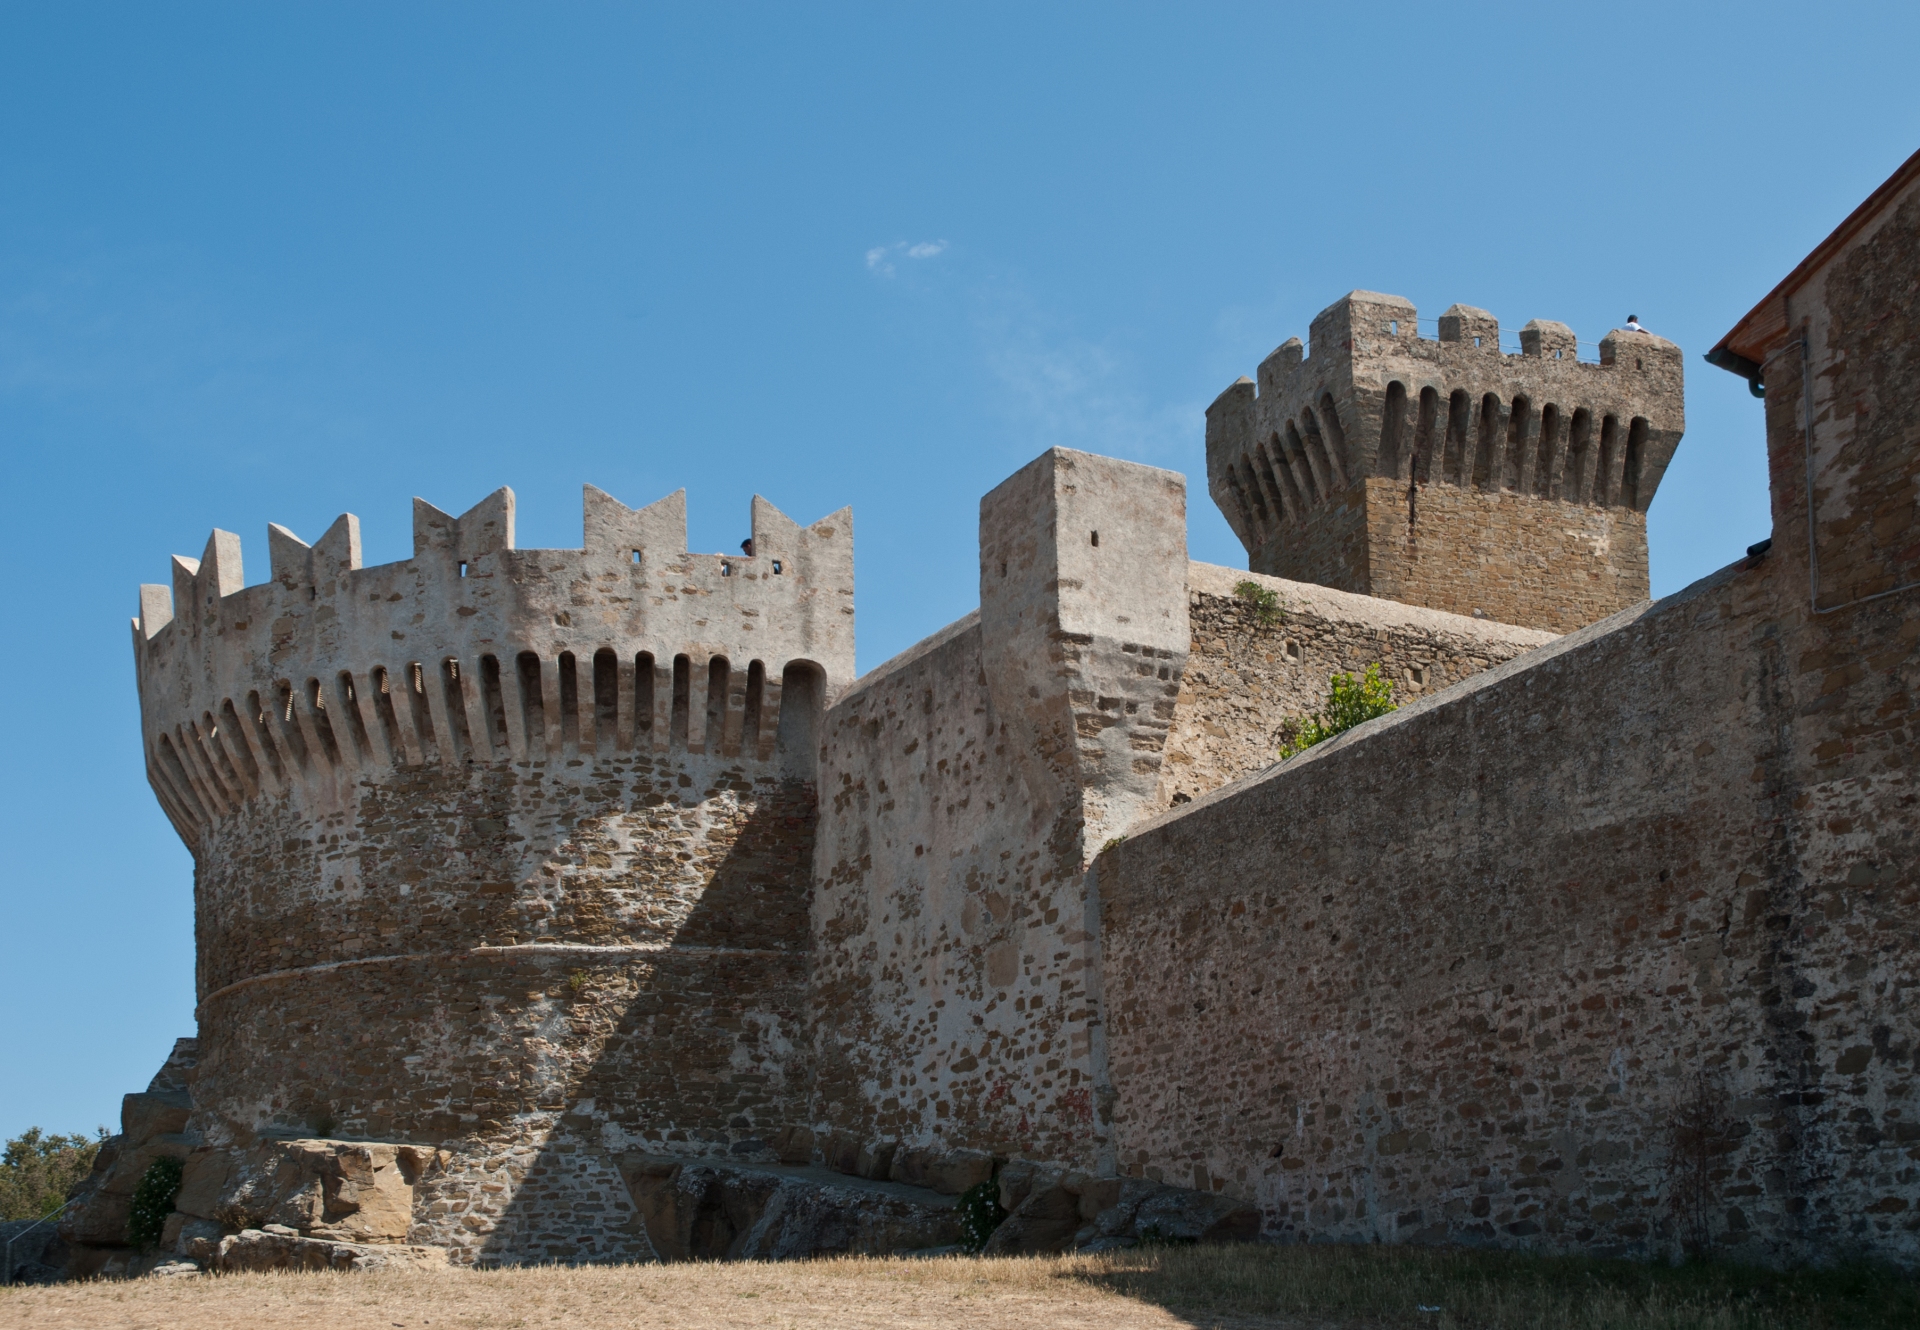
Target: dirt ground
[942,1293]
[1256,1287]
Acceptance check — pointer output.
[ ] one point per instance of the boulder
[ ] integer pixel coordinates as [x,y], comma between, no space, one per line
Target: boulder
[278,1247]
[876,1160]
[957,1171]
[1045,1221]
[343,1191]
[31,1252]
[710,1210]
[1144,1211]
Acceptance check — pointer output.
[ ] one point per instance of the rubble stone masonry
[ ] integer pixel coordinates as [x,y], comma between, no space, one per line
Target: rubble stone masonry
[1612,947]
[582,905]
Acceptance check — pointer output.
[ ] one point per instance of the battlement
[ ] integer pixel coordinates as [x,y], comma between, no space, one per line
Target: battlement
[1292,451]
[473,651]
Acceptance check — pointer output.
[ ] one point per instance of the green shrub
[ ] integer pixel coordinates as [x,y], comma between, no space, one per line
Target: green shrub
[1350,701]
[38,1170]
[1264,600]
[980,1214]
[153,1202]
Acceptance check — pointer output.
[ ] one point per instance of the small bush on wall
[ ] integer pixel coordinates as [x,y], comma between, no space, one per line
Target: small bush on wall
[1350,702]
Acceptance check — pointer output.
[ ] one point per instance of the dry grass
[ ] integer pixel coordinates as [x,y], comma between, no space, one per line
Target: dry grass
[1227,1287]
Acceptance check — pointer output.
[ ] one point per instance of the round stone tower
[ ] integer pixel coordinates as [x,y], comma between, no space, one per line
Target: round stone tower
[502,855]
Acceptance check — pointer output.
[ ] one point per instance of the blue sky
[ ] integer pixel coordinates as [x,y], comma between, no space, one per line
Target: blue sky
[275,262]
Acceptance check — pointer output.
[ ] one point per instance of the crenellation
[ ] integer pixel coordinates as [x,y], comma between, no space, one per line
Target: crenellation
[553,875]
[1328,467]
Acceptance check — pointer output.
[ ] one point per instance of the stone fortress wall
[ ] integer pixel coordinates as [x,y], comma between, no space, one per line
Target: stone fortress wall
[533,925]
[1443,472]
[502,851]
[1612,948]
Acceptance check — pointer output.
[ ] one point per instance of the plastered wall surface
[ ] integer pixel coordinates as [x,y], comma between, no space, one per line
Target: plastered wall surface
[1443,471]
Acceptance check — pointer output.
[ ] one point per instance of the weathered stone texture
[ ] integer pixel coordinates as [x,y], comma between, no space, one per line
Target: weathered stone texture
[1612,948]
[500,853]
[1443,472]
[1248,682]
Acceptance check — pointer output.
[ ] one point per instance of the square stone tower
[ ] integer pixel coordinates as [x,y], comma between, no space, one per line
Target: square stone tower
[1445,472]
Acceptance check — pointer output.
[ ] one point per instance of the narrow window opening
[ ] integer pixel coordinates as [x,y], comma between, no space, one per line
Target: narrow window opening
[776,568]
[1292,648]
[643,695]
[718,671]
[1393,327]
[1262,505]
[533,706]
[295,736]
[493,702]
[682,702]
[1486,447]
[636,557]
[356,723]
[1096,540]
[1392,425]
[756,699]
[1458,460]
[569,702]
[322,724]
[422,711]
[257,714]
[1636,460]
[1549,444]
[802,691]
[1303,470]
[458,724]
[221,760]
[1518,421]
[1609,450]
[726,569]
[1476,341]
[1423,435]
[1286,490]
[1335,440]
[463,567]
[389,722]
[1573,479]
[1638,363]
[606,697]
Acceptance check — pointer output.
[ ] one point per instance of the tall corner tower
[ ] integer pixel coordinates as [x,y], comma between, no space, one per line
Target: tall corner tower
[1445,472]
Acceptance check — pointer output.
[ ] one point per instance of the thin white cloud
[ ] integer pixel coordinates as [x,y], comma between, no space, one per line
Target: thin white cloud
[1066,391]
[880,258]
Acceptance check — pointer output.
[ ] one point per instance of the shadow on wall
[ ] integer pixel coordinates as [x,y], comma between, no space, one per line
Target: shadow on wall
[695,1043]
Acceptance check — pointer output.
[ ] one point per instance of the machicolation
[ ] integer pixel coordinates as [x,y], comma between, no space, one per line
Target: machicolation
[583,905]
[1444,471]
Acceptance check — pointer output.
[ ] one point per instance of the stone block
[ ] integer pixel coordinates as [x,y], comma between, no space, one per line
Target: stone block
[876,1160]
[957,1171]
[280,1248]
[843,1153]
[144,1116]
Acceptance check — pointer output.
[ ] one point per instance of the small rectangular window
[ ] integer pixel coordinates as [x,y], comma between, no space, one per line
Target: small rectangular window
[726,569]
[776,567]
[636,556]
[463,567]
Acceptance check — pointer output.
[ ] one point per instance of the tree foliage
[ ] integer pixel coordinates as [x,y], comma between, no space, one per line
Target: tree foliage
[1350,702]
[37,1171]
